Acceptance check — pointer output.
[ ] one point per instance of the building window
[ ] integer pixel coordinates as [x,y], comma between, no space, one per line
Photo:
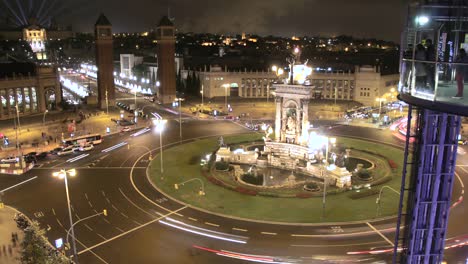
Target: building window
[34,99]
[4,100]
[27,100]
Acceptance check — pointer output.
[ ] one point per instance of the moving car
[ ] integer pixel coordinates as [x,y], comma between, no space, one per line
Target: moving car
[87,147]
[126,129]
[66,151]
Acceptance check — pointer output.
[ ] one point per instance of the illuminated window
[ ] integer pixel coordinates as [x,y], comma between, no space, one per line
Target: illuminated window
[34,99]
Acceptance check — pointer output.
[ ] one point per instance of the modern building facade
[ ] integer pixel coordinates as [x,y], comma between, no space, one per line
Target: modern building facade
[104,62]
[365,85]
[165,36]
[432,85]
[31,90]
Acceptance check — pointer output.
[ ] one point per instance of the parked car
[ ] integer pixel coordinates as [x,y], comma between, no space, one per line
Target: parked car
[30,157]
[10,160]
[55,151]
[42,155]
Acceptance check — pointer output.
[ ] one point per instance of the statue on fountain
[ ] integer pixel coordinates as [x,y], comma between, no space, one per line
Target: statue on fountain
[290,130]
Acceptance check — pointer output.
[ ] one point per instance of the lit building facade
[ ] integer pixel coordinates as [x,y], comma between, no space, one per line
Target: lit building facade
[365,85]
[36,37]
[32,92]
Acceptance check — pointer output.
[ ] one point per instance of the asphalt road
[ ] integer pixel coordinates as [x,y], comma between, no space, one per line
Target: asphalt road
[133,231]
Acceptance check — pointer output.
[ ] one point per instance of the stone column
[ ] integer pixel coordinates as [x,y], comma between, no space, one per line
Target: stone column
[305,115]
[298,124]
[278,118]
[41,103]
[31,100]
[23,103]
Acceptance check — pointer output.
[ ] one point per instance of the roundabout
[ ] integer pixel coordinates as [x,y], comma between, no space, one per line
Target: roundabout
[226,196]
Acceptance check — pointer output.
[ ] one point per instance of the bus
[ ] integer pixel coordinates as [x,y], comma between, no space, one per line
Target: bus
[83,140]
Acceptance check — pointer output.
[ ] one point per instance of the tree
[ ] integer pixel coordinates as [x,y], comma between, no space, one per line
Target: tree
[36,250]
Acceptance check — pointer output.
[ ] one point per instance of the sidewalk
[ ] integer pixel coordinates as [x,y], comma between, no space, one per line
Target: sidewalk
[56,126]
[10,252]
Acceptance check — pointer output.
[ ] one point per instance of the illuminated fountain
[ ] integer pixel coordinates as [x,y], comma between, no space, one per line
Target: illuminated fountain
[294,148]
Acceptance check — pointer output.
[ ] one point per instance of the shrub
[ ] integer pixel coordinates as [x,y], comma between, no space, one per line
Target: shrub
[364,174]
[269,194]
[252,179]
[304,195]
[215,181]
[362,194]
[222,166]
[246,191]
[312,186]
[382,180]
[392,164]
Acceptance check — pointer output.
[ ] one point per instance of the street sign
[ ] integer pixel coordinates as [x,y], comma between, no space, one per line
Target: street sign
[58,243]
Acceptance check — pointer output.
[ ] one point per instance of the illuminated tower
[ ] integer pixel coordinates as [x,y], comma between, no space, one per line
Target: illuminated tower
[104,62]
[166,61]
[432,41]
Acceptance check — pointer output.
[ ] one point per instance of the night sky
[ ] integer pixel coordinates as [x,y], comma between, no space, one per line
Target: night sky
[382,19]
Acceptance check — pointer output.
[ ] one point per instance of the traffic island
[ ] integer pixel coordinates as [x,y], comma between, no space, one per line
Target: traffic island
[183,164]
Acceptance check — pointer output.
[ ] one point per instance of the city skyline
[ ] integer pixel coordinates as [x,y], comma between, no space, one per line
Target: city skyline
[366,19]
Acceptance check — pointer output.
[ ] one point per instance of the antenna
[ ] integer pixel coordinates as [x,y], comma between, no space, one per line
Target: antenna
[169,14]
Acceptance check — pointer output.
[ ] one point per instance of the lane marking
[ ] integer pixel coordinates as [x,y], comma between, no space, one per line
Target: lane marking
[115,208]
[103,193]
[339,245]
[120,229]
[87,226]
[90,204]
[130,231]
[124,215]
[239,229]
[128,199]
[268,233]
[380,234]
[105,220]
[193,219]
[211,224]
[53,211]
[100,236]
[86,195]
[58,221]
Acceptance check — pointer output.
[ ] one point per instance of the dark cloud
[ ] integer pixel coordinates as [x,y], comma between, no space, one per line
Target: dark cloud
[364,18]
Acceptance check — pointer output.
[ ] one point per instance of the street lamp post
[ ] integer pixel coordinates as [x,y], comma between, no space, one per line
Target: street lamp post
[201,192]
[202,95]
[225,96]
[17,116]
[160,128]
[62,174]
[324,176]
[107,103]
[179,101]
[104,212]
[43,117]
[380,100]
[379,199]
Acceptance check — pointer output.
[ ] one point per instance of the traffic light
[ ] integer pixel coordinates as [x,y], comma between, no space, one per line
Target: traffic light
[104,212]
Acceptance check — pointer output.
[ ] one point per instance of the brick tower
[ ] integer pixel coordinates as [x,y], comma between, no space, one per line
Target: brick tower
[104,62]
[166,61]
